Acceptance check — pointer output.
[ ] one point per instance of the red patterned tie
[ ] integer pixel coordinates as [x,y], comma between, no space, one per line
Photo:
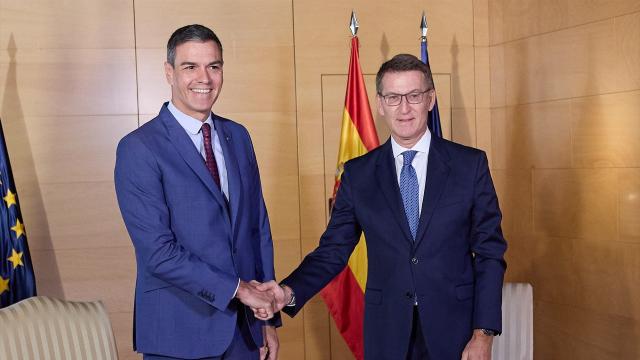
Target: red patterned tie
[208,150]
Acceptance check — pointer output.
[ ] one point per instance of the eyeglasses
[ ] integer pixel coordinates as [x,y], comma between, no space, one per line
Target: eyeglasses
[415,97]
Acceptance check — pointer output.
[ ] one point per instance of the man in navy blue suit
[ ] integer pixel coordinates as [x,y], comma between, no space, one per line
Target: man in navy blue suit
[190,195]
[430,216]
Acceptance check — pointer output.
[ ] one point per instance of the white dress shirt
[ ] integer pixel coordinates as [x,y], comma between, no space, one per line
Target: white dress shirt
[419,162]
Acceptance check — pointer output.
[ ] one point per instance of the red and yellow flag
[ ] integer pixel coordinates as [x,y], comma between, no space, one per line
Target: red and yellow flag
[345,294]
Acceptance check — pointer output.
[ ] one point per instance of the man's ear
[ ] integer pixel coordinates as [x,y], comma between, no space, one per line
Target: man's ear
[168,72]
[432,99]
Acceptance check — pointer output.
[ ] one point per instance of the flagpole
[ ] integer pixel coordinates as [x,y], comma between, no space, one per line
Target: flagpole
[433,118]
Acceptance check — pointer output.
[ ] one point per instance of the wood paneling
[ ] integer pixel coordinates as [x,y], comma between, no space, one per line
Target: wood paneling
[627,29]
[89,274]
[64,82]
[67,95]
[564,94]
[517,19]
[78,215]
[481,23]
[483,133]
[68,24]
[606,129]
[533,135]
[629,204]
[514,191]
[482,77]
[566,205]
[563,331]
[55,149]
[122,324]
[595,58]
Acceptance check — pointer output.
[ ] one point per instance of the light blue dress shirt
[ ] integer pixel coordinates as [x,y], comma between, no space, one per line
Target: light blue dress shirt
[193,128]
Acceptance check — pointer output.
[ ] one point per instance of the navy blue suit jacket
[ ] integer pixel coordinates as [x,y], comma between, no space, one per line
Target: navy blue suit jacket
[191,246]
[455,266]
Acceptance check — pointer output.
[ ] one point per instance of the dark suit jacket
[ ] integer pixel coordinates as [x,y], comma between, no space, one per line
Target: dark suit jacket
[191,246]
[455,266]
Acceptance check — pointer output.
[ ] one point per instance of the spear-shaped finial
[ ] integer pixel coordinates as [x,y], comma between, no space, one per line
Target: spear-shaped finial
[423,27]
[353,25]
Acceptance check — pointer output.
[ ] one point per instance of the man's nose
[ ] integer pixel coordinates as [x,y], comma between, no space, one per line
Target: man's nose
[404,106]
[203,75]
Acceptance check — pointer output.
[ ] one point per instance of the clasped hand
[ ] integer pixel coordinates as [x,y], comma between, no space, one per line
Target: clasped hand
[264,299]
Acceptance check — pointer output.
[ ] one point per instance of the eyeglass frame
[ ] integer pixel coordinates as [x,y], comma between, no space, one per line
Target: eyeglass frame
[405,96]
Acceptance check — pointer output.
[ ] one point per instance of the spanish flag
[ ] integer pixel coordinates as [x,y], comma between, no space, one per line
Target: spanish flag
[345,294]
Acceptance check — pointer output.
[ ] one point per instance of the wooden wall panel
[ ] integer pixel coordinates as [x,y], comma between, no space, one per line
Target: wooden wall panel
[517,19]
[606,130]
[563,331]
[567,206]
[121,324]
[534,135]
[514,191]
[564,94]
[55,148]
[67,94]
[629,205]
[482,77]
[79,215]
[67,24]
[82,82]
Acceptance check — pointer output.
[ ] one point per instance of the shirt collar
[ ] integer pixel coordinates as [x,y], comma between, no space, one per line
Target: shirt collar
[421,146]
[191,125]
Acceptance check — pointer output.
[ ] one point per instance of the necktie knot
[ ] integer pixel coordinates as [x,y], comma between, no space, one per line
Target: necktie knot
[206,130]
[408,157]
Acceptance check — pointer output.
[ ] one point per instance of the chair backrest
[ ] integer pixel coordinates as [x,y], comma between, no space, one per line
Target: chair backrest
[46,328]
[516,341]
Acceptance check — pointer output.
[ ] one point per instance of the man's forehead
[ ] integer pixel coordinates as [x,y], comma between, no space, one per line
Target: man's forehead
[403,78]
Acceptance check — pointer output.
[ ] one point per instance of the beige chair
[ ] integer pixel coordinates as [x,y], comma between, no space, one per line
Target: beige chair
[516,341]
[46,328]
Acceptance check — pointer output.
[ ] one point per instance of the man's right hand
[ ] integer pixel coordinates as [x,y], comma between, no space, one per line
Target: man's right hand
[262,302]
[282,294]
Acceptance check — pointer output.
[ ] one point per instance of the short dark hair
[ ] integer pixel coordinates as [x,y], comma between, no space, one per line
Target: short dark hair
[193,32]
[404,62]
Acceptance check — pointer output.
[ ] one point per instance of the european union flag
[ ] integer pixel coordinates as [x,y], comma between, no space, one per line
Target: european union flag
[17,280]
[433,121]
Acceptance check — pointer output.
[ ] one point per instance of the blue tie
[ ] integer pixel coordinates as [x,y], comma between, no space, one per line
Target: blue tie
[409,191]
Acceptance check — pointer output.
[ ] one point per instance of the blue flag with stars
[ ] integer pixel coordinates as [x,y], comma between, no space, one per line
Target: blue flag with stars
[433,121]
[17,280]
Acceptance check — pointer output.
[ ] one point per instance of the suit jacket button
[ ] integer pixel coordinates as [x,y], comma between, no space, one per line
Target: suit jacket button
[414,261]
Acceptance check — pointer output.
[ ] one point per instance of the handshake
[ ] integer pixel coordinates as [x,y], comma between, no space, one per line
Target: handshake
[264,299]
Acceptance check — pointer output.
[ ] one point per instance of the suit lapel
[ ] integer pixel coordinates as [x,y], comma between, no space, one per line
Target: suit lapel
[436,181]
[388,183]
[190,154]
[234,179]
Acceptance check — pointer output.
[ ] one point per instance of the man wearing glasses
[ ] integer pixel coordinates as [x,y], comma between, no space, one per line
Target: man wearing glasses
[430,216]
